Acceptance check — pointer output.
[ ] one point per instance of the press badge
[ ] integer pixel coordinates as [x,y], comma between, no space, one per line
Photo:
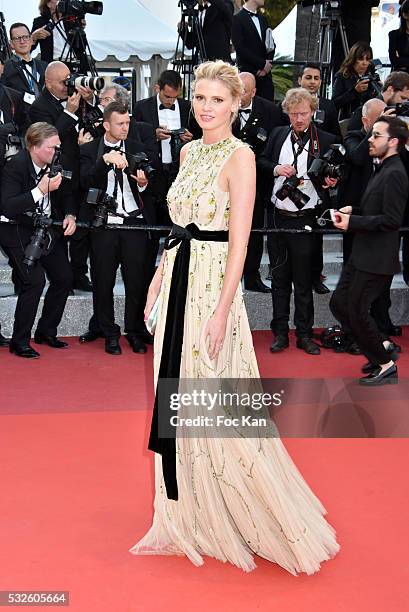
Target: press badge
[29,98]
[112,219]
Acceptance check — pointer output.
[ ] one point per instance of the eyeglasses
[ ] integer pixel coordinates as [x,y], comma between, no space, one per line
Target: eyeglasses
[376,135]
[24,38]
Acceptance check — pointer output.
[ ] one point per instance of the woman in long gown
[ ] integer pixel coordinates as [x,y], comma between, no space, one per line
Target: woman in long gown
[235,496]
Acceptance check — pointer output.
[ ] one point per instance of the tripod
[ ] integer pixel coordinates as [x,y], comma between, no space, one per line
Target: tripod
[190,36]
[331,25]
[77,53]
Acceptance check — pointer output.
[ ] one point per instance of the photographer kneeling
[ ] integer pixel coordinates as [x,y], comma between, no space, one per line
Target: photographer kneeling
[296,193]
[33,197]
[112,168]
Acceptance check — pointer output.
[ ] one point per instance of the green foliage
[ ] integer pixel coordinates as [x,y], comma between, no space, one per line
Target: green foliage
[282,77]
[277,10]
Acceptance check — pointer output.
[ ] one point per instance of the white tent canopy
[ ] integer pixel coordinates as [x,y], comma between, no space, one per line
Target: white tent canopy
[125,28]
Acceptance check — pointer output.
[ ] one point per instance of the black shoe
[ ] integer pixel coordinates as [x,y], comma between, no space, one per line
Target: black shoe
[40,338]
[146,337]
[136,344]
[280,343]
[320,288]
[4,341]
[370,367]
[90,336]
[256,285]
[112,346]
[309,346]
[353,349]
[377,378]
[394,330]
[82,284]
[23,351]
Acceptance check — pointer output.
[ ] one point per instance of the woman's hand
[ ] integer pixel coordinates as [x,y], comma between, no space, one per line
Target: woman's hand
[153,292]
[214,334]
[362,86]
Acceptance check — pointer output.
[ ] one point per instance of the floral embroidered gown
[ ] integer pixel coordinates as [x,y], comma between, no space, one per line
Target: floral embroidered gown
[237,497]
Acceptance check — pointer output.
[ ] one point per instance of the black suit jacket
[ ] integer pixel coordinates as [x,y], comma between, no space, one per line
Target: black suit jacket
[358,170]
[376,241]
[271,154]
[14,75]
[216,31]
[345,96]
[250,48]
[94,174]
[14,109]
[47,108]
[18,179]
[264,114]
[46,44]
[147,110]
[398,50]
[330,123]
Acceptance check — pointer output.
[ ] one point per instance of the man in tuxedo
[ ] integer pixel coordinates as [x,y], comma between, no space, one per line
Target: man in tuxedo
[28,190]
[166,111]
[215,19]
[254,44]
[55,107]
[375,251]
[326,118]
[257,118]
[104,165]
[20,71]
[288,155]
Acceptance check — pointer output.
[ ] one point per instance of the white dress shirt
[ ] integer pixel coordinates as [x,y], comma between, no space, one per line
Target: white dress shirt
[306,186]
[256,21]
[170,119]
[244,117]
[125,199]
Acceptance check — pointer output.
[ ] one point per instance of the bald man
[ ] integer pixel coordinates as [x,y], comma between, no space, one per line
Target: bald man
[257,118]
[54,106]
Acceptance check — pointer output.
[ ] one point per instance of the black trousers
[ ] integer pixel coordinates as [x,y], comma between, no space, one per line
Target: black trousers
[318,257]
[79,245]
[31,284]
[350,304]
[255,246]
[291,262]
[265,87]
[131,250]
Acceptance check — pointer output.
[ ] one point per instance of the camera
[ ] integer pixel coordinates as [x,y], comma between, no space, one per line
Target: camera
[40,241]
[56,166]
[104,205]
[140,161]
[92,123]
[10,142]
[78,8]
[290,190]
[81,80]
[331,165]
[401,109]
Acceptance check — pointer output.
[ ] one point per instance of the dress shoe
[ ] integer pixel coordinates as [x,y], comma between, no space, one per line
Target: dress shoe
[90,336]
[145,337]
[370,367]
[40,338]
[4,341]
[136,344]
[112,346]
[280,343]
[309,346]
[377,377]
[82,284]
[23,351]
[320,288]
[256,285]
[394,330]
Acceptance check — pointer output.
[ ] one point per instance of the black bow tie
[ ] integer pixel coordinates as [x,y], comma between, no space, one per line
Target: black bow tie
[108,149]
[30,63]
[162,107]
[245,111]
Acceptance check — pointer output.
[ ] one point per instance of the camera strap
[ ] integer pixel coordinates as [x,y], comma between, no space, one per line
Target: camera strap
[310,135]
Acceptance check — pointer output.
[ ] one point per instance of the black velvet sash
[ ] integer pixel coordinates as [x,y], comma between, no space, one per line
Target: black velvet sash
[173,339]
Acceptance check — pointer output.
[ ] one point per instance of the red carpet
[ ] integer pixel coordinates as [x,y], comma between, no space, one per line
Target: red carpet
[77,493]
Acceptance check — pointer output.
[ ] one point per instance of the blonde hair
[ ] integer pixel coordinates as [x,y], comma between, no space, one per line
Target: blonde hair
[38,132]
[223,72]
[296,96]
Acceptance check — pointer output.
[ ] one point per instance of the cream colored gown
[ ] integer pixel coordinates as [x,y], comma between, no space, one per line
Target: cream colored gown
[237,497]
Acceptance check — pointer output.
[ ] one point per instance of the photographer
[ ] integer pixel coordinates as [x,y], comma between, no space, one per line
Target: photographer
[167,113]
[352,85]
[105,165]
[54,106]
[215,19]
[27,192]
[256,119]
[21,72]
[51,42]
[13,121]
[287,160]
[399,41]
[375,252]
